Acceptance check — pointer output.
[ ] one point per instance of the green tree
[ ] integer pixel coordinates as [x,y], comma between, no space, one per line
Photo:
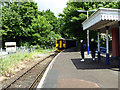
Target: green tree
[51,39]
[42,34]
[24,24]
[52,19]
[16,21]
[71,20]
[40,29]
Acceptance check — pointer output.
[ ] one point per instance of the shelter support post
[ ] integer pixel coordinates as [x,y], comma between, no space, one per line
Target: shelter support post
[88,40]
[107,46]
[119,44]
[98,45]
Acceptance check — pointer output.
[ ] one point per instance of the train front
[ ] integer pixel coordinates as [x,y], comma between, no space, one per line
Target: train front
[60,44]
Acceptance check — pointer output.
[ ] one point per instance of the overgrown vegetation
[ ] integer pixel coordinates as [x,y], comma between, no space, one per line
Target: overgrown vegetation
[11,60]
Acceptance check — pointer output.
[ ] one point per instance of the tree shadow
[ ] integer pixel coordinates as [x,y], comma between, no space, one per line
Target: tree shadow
[73,49]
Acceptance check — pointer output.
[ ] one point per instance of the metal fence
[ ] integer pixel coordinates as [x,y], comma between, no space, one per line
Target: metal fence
[18,50]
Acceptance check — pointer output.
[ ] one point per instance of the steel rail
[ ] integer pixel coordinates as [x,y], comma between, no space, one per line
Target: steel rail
[27,71]
[35,81]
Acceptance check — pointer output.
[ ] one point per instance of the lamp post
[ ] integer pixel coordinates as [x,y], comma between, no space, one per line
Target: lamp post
[87,30]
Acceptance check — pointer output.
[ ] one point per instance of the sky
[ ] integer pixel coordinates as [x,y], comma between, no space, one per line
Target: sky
[56,6]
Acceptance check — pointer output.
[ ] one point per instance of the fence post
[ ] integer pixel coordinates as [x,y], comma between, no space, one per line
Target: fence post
[24,48]
[1,50]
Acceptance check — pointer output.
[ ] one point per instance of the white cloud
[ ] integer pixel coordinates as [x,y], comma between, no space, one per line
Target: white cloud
[55,6]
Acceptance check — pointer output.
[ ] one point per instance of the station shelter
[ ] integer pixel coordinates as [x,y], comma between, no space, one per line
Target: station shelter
[106,20]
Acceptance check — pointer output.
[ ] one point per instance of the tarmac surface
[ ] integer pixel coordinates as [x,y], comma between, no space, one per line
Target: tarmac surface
[68,71]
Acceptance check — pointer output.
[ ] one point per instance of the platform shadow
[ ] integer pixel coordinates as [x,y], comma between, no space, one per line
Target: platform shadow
[90,64]
[73,49]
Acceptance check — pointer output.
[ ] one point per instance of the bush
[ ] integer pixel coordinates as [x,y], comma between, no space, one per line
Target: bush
[102,42]
[52,39]
[37,46]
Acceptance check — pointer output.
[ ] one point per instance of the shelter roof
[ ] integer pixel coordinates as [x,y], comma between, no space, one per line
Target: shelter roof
[101,18]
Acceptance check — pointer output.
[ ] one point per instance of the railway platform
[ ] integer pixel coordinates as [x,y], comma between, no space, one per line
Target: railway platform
[67,71]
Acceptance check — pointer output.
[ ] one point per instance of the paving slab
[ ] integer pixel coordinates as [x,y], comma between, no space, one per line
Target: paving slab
[68,71]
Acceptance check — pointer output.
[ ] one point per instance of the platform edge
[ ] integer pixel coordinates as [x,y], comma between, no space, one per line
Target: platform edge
[46,72]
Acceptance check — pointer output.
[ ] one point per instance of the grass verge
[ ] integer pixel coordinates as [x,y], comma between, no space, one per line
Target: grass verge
[11,60]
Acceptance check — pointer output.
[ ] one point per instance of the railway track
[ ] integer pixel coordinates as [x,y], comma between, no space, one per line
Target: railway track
[31,77]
